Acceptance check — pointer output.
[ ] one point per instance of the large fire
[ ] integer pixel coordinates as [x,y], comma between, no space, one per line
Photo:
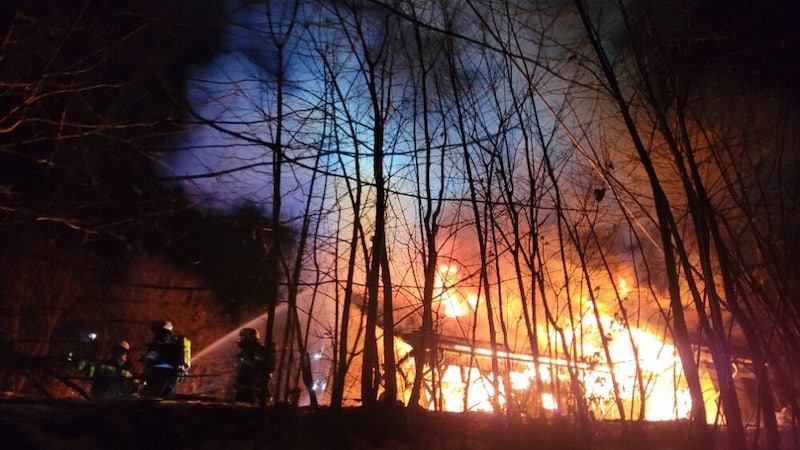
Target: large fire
[452,299]
[646,367]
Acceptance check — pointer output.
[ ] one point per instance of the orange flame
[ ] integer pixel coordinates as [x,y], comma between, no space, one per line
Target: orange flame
[647,369]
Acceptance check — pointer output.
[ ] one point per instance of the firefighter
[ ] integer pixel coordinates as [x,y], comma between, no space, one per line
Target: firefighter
[254,364]
[112,378]
[165,361]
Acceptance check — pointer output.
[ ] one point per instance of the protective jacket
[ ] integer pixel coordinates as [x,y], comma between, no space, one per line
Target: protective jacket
[162,364]
[112,378]
[253,368]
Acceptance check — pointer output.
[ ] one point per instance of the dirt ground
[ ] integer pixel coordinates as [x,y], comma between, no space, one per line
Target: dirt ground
[46,424]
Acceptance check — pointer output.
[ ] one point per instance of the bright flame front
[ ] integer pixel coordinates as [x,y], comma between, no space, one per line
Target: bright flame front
[647,373]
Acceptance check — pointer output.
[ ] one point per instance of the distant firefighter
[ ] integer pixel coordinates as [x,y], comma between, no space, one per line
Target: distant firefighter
[112,378]
[167,360]
[254,364]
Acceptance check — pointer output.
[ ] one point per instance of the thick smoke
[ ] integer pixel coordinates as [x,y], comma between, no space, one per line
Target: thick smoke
[227,155]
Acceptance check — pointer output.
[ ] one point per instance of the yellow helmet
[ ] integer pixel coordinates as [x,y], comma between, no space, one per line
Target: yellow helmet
[248,334]
[124,345]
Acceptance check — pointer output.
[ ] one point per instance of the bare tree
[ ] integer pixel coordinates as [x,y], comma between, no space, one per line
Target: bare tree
[428,106]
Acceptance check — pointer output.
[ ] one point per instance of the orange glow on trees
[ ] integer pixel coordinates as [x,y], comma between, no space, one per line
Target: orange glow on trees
[639,356]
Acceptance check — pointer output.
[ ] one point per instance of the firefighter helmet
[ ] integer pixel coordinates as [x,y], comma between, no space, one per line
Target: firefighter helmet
[124,346]
[162,325]
[248,334]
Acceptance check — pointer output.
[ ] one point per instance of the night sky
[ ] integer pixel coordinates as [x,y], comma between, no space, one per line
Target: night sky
[129,59]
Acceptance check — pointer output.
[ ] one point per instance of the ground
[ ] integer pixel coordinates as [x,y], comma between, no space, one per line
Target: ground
[45,424]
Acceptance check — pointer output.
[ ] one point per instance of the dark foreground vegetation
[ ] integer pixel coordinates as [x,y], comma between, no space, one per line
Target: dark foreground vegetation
[35,423]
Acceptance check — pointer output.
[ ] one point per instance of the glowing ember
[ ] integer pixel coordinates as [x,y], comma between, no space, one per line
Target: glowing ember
[549,402]
[520,380]
[622,288]
[454,383]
